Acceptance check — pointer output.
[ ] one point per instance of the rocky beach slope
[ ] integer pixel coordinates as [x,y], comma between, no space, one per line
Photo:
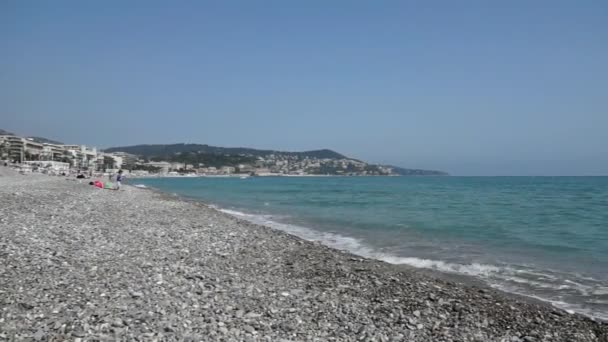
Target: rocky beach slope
[79,263]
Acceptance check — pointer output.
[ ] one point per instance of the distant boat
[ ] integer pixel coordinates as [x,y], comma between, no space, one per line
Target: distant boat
[244,177]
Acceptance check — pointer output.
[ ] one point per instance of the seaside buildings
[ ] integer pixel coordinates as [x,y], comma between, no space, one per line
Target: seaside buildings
[32,153]
[52,152]
[227,169]
[21,149]
[84,158]
[123,159]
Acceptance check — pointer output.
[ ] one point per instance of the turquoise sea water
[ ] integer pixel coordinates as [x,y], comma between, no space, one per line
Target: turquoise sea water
[545,237]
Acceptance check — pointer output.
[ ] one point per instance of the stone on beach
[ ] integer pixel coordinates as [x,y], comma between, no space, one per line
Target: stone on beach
[81,263]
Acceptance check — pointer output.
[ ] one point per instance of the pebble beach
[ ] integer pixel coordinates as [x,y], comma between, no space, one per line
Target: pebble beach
[85,264]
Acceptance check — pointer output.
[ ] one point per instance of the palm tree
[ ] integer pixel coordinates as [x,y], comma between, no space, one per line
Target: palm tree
[3,150]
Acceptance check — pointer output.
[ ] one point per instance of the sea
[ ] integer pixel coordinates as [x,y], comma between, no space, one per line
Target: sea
[541,237]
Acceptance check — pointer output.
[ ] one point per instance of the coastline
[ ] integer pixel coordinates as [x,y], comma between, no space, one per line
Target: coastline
[237,175]
[112,258]
[459,278]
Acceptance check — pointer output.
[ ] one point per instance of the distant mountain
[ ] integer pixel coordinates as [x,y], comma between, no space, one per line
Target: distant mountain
[232,156]
[41,140]
[172,149]
[416,172]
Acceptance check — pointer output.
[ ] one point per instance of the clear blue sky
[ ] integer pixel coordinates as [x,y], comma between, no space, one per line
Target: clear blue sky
[470,87]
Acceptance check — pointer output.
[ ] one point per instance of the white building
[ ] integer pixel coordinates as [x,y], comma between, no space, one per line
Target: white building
[124,159]
[82,156]
[21,149]
[227,169]
[177,166]
[52,151]
[118,161]
[245,168]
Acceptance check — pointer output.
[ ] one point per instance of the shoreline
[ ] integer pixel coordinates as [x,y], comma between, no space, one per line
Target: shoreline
[236,175]
[146,264]
[469,281]
[461,279]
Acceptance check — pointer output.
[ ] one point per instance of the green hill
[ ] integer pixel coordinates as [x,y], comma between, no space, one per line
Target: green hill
[416,172]
[160,150]
[232,156]
[42,140]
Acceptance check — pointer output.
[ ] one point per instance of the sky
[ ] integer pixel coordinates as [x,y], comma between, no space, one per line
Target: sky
[468,87]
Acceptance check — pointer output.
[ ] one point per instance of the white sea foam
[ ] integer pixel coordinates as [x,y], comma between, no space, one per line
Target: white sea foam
[233,212]
[537,274]
[600,291]
[571,308]
[473,269]
[140,186]
[542,285]
[356,246]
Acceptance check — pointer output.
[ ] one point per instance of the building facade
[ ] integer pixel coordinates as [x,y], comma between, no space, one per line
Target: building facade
[82,157]
[20,149]
[124,160]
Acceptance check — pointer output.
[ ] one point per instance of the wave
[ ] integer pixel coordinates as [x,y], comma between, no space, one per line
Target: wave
[232,212]
[473,269]
[543,285]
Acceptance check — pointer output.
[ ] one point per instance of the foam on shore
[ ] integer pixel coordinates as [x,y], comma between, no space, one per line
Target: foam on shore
[516,279]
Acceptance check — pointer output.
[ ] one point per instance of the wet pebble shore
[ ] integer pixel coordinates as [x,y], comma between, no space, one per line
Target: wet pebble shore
[83,264]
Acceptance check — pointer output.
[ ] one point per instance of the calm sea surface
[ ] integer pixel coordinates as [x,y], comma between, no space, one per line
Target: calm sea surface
[545,237]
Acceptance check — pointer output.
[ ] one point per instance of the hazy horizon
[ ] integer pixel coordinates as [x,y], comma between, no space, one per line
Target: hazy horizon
[471,88]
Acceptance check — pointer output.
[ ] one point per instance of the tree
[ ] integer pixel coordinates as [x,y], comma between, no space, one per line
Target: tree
[108,162]
[4,150]
[66,157]
[149,168]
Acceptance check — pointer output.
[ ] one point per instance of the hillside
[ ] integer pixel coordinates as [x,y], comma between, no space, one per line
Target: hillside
[42,140]
[160,150]
[232,156]
[416,172]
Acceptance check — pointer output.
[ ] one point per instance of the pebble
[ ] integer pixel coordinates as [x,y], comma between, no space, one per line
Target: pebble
[138,265]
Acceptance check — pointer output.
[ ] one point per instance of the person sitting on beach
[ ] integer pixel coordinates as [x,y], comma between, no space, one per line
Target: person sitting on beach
[100,185]
[97,184]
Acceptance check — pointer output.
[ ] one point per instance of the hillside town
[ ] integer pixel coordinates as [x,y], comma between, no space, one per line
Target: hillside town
[277,165]
[33,155]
